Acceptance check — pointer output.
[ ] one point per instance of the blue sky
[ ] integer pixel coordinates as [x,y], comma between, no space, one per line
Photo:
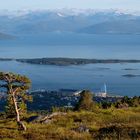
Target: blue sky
[133,5]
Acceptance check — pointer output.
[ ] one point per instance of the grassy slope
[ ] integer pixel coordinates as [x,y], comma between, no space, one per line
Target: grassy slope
[103,124]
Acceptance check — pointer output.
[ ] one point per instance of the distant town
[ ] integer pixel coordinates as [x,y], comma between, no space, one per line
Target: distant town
[46,99]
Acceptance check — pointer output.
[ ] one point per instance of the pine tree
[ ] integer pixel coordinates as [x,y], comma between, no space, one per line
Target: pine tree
[86,101]
[16,88]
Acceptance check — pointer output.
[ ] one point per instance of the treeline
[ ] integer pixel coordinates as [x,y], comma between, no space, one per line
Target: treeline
[125,102]
[86,102]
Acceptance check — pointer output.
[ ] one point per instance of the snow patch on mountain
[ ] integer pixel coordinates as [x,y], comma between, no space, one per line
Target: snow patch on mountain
[67,12]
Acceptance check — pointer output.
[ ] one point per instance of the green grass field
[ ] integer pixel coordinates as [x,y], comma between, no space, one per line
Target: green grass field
[102,124]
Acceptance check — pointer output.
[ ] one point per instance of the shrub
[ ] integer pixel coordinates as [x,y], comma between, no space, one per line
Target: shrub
[85,102]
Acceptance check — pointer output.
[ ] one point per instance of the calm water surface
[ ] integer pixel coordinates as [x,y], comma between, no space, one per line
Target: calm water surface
[91,76]
[76,45]
[72,45]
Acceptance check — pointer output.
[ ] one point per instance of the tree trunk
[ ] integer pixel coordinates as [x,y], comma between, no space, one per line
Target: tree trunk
[20,124]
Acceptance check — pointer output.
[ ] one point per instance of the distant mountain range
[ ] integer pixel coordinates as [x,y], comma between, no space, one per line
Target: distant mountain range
[84,21]
[114,27]
[5,36]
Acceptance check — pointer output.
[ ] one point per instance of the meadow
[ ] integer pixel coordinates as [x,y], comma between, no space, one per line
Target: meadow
[99,124]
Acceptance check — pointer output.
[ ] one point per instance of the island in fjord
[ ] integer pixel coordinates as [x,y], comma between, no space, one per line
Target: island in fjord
[73,61]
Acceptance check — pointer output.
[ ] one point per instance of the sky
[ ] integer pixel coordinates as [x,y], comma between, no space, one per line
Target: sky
[59,4]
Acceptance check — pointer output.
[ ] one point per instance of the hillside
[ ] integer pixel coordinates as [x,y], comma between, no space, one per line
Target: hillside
[114,27]
[99,124]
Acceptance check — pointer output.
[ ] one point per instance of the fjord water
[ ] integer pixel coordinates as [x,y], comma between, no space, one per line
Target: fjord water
[72,45]
[91,76]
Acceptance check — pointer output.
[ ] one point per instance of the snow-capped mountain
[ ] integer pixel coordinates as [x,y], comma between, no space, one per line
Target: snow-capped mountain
[69,12]
[62,20]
